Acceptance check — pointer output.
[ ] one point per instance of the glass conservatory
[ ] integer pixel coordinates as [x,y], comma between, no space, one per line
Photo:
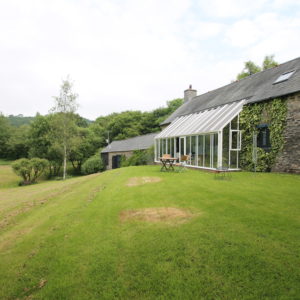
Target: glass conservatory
[211,138]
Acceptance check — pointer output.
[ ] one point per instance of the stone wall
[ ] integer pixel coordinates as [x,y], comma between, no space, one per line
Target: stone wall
[111,154]
[289,158]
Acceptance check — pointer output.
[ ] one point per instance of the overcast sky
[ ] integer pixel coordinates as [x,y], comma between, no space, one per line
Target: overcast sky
[134,54]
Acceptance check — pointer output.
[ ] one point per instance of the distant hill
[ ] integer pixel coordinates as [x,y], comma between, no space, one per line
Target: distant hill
[20,120]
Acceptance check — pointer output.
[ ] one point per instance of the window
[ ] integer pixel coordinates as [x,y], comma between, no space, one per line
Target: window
[207,151]
[193,150]
[284,77]
[235,140]
[201,150]
[263,137]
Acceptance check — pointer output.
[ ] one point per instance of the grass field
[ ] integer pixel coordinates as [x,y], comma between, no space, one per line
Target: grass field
[7,177]
[103,236]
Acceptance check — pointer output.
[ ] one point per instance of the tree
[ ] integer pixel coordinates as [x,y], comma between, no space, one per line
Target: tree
[132,123]
[18,142]
[84,145]
[93,165]
[64,119]
[251,68]
[5,133]
[269,62]
[30,169]
[138,158]
[43,145]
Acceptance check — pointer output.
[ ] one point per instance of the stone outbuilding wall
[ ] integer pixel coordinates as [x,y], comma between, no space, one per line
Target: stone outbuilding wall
[111,154]
[289,158]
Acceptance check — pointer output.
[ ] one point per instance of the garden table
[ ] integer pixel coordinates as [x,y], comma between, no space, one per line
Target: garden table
[167,163]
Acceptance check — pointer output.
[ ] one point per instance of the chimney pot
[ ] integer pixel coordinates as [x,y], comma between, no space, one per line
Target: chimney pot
[189,94]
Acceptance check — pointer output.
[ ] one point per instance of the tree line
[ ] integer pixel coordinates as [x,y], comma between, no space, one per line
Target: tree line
[63,135]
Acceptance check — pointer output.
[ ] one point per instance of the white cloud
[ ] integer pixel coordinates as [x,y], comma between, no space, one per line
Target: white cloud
[231,8]
[113,52]
[266,34]
[243,33]
[200,30]
[130,54]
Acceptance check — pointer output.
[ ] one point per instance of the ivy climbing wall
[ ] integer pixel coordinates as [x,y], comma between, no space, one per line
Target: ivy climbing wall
[283,118]
[273,113]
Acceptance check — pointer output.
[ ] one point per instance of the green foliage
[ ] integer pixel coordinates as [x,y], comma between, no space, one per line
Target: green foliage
[64,134]
[64,119]
[249,69]
[13,140]
[5,133]
[66,101]
[19,120]
[132,123]
[42,145]
[93,165]
[269,62]
[272,112]
[252,68]
[84,144]
[30,169]
[18,142]
[139,157]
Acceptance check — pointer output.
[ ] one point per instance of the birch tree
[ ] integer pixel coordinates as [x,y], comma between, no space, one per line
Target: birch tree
[63,119]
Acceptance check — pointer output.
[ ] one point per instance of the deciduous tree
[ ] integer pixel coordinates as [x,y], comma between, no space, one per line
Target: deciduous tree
[64,119]
[252,68]
[5,133]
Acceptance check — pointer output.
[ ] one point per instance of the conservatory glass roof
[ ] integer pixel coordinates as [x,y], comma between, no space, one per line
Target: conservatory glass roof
[209,120]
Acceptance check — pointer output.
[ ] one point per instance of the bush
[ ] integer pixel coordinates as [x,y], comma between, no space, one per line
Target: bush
[92,165]
[138,158]
[30,169]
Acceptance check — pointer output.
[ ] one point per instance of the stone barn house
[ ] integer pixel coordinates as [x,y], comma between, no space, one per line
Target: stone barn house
[253,122]
[112,154]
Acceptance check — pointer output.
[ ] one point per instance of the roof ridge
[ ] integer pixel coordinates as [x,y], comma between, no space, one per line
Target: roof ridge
[269,69]
[252,75]
[137,136]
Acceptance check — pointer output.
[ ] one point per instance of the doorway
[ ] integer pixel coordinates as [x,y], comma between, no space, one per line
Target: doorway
[116,161]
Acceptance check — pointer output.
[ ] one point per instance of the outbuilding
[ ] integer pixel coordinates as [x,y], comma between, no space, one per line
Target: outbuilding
[112,154]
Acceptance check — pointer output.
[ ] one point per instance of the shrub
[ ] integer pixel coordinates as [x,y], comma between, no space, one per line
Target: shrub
[138,158]
[92,165]
[30,169]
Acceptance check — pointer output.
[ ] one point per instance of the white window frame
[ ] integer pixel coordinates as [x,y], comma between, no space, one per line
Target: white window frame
[239,140]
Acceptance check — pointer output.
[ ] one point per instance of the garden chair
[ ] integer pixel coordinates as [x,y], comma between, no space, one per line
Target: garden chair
[183,162]
[222,173]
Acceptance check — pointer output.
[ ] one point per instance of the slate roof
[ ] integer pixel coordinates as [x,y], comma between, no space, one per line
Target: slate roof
[136,143]
[255,88]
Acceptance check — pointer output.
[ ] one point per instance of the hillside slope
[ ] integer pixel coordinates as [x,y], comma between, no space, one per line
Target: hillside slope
[138,233]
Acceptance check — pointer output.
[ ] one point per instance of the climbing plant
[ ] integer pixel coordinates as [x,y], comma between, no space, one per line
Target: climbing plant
[270,112]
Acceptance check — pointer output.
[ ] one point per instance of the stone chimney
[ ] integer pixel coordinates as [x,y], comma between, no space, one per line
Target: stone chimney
[189,94]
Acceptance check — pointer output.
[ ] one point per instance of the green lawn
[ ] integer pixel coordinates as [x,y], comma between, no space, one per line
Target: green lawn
[7,177]
[65,240]
[4,162]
